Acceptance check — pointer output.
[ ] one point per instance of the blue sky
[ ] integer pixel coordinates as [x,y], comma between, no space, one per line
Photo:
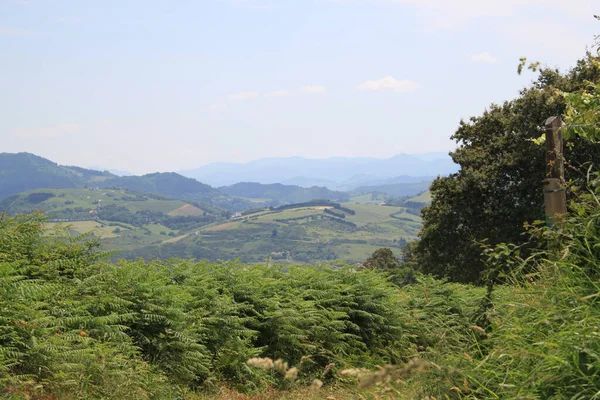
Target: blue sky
[168,85]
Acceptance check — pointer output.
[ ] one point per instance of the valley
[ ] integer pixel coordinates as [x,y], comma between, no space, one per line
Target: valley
[166,215]
[305,234]
[150,226]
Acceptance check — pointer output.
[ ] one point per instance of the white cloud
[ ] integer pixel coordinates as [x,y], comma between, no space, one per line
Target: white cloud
[219,106]
[313,89]
[278,93]
[244,96]
[485,58]
[389,83]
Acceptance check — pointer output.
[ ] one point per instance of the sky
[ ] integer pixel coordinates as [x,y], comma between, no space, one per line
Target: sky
[149,85]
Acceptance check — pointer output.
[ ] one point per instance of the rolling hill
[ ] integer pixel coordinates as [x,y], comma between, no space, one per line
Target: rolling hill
[282,194]
[168,215]
[307,233]
[24,171]
[167,184]
[123,219]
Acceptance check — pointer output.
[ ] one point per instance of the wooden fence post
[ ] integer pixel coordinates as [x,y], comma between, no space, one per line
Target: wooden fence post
[555,200]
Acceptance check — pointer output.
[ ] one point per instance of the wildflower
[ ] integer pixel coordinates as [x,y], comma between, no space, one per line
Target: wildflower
[478,329]
[316,385]
[261,363]
[328,368]
[291,374]
[304,358]
[280,366]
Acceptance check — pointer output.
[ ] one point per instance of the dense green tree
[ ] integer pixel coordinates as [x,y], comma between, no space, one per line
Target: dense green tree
[383,258]
[498,187]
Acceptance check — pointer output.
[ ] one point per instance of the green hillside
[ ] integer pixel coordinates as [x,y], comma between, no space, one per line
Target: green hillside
[424,197]
[166,184]
[304,233]
[122,219]
[282,194]
[394,190]
[24,171]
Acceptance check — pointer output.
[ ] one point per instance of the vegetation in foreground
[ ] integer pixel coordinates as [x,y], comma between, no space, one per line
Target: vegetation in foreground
[74,326]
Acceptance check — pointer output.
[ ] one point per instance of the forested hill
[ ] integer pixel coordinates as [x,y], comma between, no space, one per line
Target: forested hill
[24,171]
[167,184]
[282,193]
[176,186]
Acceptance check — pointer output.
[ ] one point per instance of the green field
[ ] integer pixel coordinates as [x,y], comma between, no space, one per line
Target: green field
[98,228]
[369,198]
[121,219]
[424,197]
[303,234]
[152,226]
[90,199]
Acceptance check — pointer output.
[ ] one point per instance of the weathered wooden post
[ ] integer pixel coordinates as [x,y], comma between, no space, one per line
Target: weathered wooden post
[555,199]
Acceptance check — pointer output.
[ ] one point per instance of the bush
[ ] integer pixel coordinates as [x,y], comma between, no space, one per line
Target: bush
[534,336]
[128,330]
[37,198]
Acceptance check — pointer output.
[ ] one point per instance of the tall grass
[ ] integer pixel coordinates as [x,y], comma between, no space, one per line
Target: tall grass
[536,336]
[73,325]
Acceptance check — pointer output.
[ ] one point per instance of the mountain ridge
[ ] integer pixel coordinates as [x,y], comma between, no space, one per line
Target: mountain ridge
[337,169]
[20,172]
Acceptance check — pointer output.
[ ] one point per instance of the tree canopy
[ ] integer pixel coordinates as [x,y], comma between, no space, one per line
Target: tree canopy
[498,187]
[382,258]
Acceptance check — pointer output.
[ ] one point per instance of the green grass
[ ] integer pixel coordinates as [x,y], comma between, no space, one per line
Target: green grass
[306,232]
[424,197]
[89,199]
[179,329]
[369,198]
[185,210]
[164,206]
[81,227]
[369,214]
[357,252]
[65,203]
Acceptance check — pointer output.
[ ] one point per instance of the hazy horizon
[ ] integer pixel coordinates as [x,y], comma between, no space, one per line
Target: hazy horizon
[153,86]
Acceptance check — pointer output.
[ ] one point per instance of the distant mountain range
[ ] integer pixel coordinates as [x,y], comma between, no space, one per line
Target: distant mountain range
[334,173]
[23,171]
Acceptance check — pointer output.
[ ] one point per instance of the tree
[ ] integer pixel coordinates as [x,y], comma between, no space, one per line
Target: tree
[382,258]
[498,187]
